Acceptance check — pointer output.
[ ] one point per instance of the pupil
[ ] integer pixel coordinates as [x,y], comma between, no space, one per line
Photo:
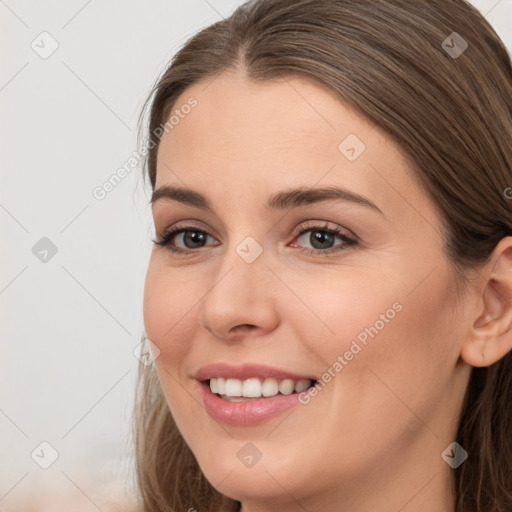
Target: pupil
[320,237]
[194,237]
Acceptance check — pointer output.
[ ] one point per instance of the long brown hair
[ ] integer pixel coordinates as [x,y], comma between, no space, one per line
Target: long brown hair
[394,62]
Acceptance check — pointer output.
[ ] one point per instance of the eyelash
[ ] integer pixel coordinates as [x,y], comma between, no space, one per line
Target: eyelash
[166,238]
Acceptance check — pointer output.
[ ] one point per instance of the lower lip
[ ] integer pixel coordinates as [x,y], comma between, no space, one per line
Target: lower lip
[247,413]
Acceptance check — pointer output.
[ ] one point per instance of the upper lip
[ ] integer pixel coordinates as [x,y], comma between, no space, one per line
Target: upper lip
[246,371]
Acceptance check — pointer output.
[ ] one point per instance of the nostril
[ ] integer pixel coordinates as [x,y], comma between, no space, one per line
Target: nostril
[244,327]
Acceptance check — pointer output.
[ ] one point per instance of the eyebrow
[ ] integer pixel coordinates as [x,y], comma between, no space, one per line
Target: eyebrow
[292,198]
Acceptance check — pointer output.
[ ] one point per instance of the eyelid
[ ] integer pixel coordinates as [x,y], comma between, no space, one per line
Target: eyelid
[323,224]
[186,224]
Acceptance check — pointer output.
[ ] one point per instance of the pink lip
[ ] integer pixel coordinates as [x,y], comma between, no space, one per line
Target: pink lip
[247,413]
[246,371]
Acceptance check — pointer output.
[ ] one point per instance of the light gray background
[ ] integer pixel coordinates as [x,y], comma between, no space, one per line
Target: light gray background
[69,325]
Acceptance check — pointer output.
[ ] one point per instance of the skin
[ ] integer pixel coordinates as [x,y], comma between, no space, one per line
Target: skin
[376,431]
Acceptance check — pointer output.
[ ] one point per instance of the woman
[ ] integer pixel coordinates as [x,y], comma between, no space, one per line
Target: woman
[329,297]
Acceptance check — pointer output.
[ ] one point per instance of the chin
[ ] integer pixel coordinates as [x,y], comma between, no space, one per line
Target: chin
[242,483]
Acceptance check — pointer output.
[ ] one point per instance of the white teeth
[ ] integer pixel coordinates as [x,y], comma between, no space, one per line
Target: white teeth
[251,388]
[286,386]
[233,387]
[270,387]
[255,388]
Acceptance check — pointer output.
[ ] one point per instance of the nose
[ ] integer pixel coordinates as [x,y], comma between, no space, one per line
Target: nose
[240,300]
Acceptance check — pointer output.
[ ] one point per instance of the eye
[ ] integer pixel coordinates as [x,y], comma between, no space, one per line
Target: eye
[322,239]
[192,237]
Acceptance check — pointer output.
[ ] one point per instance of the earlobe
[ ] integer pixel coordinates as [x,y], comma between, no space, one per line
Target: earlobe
[490,336]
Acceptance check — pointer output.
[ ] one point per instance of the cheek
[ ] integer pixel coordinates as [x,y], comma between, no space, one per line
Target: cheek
[385,330]
[340,315]
[166,306]
[410,360]
[165,310]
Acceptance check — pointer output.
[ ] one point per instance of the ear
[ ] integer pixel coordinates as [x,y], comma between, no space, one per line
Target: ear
[490,337]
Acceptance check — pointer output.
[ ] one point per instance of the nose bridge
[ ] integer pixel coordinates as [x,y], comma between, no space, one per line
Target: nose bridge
[240,268]
[240,293]
[245,239]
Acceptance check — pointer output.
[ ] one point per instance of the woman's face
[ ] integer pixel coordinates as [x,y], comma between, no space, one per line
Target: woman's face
[371,320]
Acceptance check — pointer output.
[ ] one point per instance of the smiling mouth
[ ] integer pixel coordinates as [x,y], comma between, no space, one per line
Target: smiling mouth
[236,390]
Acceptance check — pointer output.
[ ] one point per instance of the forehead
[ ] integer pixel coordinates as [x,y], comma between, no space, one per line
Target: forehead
[279,115]
[251,138]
